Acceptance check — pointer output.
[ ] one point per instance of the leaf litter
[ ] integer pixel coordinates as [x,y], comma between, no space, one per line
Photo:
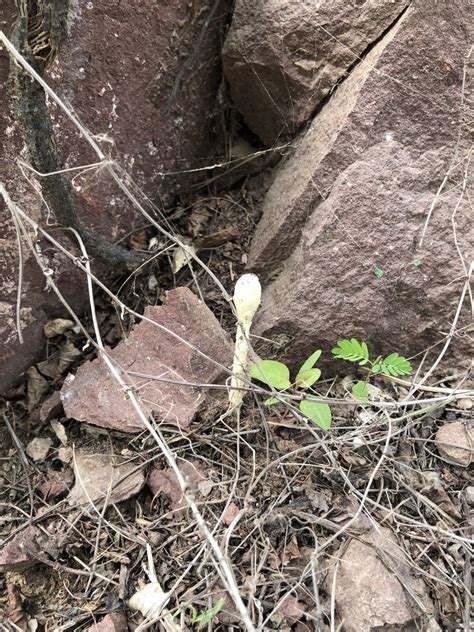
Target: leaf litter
[292,506]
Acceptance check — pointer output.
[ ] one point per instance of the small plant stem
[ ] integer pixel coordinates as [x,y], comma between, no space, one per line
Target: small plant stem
[408,384]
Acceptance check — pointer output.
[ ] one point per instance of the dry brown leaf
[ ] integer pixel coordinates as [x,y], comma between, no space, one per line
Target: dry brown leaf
[182,255]
[15,607]
[199,217]
[164,481]
[102,477]
[57,327]
[291,551]
[291,608]
[139,240]
[37,387]
[57,483]
[60,361]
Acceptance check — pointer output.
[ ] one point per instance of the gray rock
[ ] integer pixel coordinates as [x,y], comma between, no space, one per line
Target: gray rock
[38,448]
[469,495]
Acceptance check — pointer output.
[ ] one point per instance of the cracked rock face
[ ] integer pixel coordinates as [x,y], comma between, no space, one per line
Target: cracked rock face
[342,222]
[282,57]
[139,78]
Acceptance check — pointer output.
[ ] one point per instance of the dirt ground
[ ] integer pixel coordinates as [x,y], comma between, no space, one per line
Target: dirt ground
[284,499]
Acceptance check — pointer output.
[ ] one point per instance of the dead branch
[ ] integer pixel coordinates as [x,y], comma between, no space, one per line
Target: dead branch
[38,34]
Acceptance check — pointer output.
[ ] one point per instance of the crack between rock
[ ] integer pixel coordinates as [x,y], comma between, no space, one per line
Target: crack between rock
[359,59]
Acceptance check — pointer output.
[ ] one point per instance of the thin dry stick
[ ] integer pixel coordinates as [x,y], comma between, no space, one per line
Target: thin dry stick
[24,463]
[417,385]
[454,164]
[20,276]
[112,167]
[223,566]
[449,337]
[225,570]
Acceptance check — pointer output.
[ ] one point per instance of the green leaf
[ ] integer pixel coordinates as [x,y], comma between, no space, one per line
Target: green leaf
[360,391]
[395,365]
[378,272]
[352,350]
[307,378]
[271,372]
[320,414]
[271,401]
[310,362]
[205,617]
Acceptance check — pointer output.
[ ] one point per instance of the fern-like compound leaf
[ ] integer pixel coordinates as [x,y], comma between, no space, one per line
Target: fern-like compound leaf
[352,350]
[396,365]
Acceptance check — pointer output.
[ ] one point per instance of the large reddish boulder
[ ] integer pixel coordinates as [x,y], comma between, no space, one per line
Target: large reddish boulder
[343,220]
[143,78]
[282,57]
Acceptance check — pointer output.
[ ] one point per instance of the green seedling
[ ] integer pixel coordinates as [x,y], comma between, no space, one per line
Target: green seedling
[354,351]
[205,617]
[277,375]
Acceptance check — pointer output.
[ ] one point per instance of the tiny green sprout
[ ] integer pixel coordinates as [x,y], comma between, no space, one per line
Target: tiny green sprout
[417,262]
[354,351]
[205,617]
[277,375]
[378,272]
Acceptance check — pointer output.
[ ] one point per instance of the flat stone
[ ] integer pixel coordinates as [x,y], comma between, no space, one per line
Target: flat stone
[337,246]
[100,477]
[51,407]
[94,396]
[164,481]
[370,584]
[454,443]
[19,553]
[282,58]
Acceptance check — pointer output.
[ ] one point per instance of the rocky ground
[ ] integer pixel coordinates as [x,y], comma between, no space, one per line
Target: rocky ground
[368,525]
[326,147]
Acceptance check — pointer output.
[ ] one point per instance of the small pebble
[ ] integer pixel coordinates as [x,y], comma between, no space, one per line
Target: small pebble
[469,494]
[38,449]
